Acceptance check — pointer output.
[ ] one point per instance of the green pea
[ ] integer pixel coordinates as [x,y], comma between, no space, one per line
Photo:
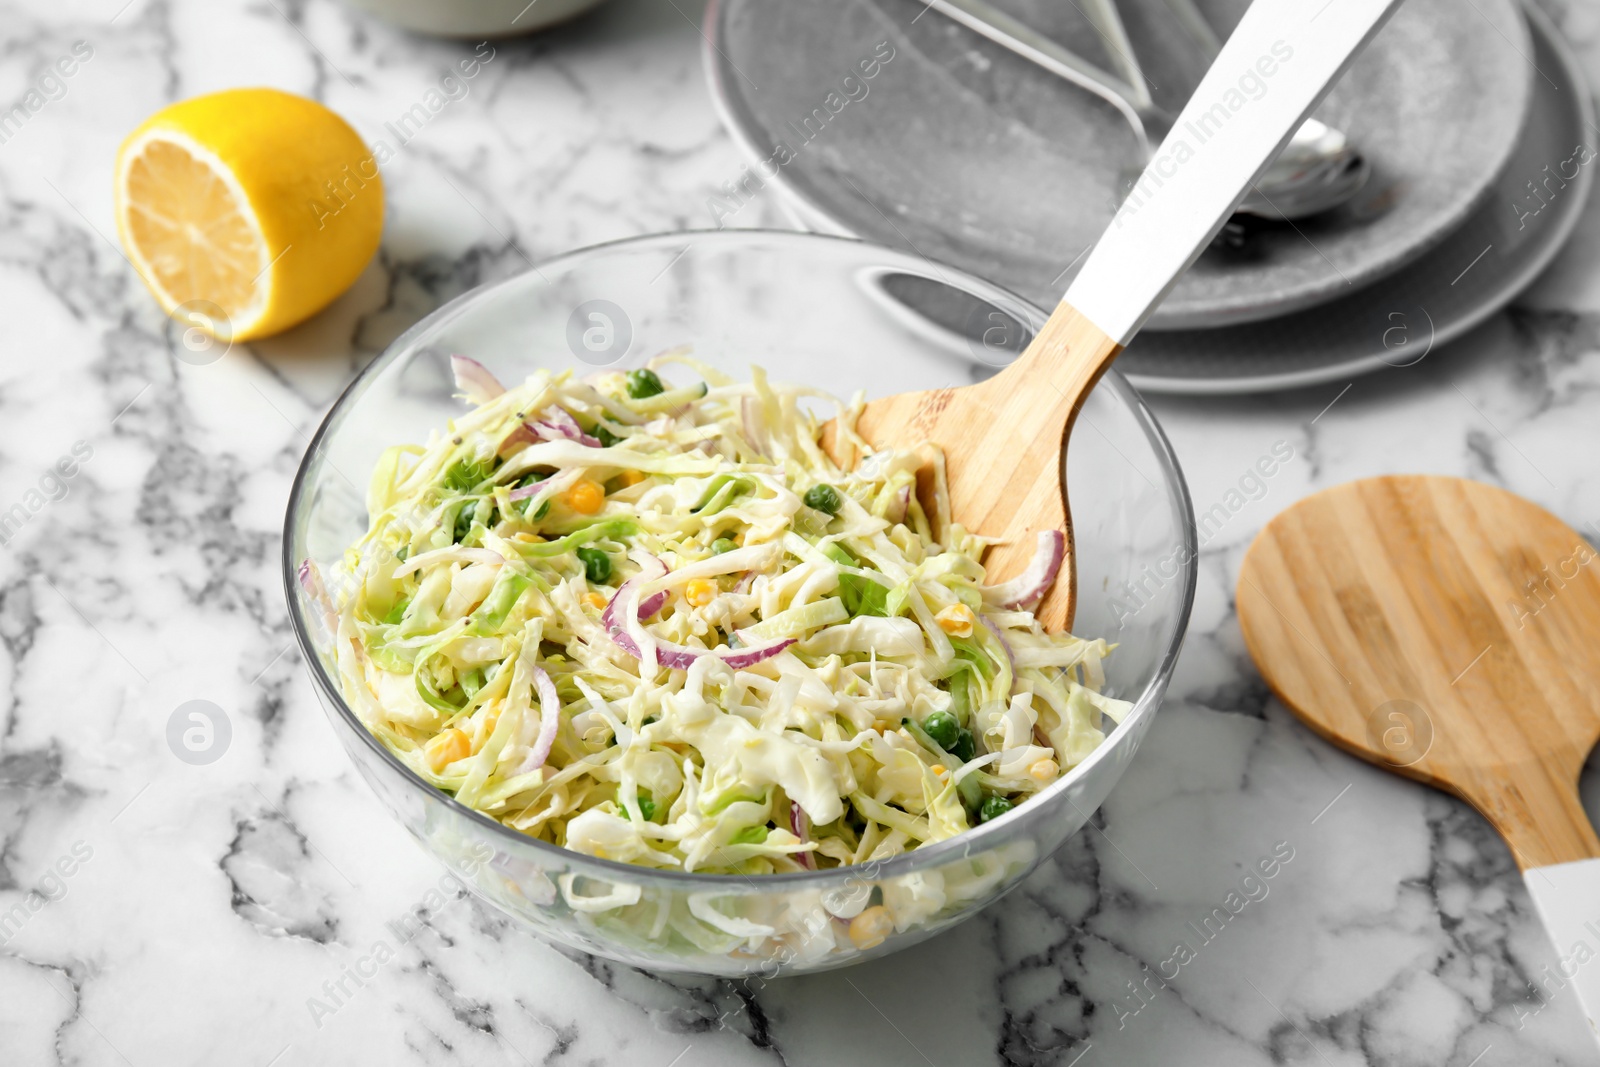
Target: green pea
[993,808]
[721,545]
[824,498]
[965,747]
[643,383]
[943,728]
[596,565]
[466,474]
[647,803]
[605,436]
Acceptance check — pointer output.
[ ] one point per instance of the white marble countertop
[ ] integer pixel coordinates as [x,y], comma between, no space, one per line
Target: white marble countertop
[206,905]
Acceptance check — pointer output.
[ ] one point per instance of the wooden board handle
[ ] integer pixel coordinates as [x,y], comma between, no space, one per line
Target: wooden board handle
[1541,818]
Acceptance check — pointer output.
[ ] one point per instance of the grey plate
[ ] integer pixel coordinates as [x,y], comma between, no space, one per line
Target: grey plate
[966,154]
[1502,246]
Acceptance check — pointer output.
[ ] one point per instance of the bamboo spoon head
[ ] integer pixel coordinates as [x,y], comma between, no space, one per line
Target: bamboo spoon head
[1003,444]
[1446,630]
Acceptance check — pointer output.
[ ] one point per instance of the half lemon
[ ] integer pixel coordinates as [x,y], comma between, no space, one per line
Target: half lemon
[247,211]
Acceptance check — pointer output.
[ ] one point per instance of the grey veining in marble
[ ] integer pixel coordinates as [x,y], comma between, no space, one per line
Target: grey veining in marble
[260,909]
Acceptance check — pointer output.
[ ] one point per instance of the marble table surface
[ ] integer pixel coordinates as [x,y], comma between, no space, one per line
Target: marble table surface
[153,912]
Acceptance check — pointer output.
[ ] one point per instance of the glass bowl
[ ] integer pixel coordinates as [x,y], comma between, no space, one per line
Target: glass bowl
[830,312]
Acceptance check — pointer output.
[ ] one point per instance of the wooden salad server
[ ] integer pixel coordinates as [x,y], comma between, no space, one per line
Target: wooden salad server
[1005,439]
[1449,631]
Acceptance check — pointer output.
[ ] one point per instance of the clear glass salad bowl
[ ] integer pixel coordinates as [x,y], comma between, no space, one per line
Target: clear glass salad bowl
[829,312]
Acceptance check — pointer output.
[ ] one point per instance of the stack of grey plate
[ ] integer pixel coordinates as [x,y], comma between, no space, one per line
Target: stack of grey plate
[885,120]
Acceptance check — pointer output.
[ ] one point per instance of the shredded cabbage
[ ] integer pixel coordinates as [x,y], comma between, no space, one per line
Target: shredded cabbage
[698,644]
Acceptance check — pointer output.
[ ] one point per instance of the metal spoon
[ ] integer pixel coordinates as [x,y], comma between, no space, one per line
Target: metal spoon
[1316,171]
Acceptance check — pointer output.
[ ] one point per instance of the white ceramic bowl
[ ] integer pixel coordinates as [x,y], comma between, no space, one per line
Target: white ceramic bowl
[474,18]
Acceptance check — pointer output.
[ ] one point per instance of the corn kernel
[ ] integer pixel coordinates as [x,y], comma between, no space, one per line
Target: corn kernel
[595,601]
[872,927]
[528,538]
[956,620]
[444,749]
[883,726]
[1045,770]
[586,497]
[631,478]
[700,591]
[941,772]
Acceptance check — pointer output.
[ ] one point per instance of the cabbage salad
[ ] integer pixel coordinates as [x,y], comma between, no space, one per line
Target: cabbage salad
[655,623]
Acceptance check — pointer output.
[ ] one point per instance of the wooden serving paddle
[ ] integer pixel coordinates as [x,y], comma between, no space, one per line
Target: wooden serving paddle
[1004,440]
[1449,631]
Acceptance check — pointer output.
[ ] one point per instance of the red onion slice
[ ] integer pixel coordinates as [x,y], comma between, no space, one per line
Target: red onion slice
[652,604]
[800,823]
[311,582]
[549,720]
[524,434]
[613,627]
[1037,578]
[901,506]
[674,657]
[555,422]
[738,659]
[555,482]
[477,385]
[753,430]
[1011,657]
